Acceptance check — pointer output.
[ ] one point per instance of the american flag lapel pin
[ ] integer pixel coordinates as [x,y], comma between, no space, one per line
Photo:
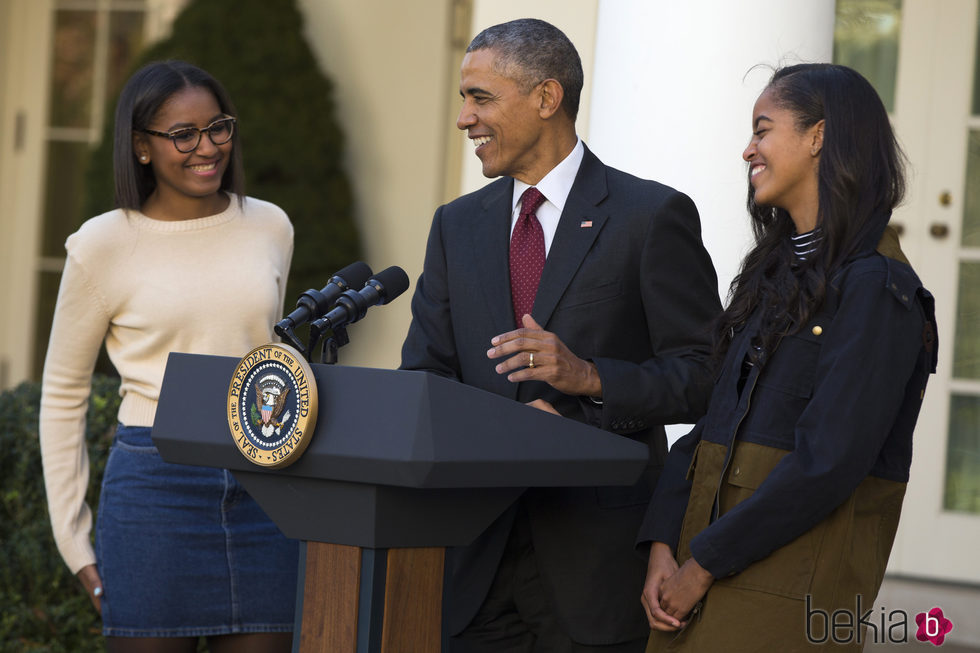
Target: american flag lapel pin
[585,224]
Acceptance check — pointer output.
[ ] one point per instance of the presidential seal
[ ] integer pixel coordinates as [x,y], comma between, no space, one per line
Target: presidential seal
[272,405]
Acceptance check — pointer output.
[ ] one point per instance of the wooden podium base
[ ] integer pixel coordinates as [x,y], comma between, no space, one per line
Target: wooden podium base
[358,600]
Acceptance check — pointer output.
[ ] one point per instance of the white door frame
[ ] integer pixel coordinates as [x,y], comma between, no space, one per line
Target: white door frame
[25,51]
[933,97]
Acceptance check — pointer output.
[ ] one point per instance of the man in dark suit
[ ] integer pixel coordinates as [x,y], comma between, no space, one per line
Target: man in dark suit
[623,294]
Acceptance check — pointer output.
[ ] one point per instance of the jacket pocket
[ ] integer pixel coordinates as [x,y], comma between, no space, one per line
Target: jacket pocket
[596,293]
[792,367]
[788,570]
[783,391]
[704,471]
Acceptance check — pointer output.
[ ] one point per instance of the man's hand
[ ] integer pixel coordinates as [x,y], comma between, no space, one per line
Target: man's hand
[546,406]
[660,567]
[539,355]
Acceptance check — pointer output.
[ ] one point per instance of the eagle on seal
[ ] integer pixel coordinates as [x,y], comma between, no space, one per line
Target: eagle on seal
[270,397]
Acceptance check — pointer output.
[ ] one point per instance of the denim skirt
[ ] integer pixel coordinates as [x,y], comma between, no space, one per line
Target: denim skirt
[185,551]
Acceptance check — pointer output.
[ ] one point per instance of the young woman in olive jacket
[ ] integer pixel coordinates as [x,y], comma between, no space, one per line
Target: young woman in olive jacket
[781,506]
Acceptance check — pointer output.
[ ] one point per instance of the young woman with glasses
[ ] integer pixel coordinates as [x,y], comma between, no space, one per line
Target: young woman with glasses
[185,263]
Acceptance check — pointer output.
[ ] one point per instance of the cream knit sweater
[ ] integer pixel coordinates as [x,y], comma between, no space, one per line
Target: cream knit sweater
[210,285]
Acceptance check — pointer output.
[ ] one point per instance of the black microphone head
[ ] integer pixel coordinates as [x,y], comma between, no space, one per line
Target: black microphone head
[352,276]
[356,274]
[390,282]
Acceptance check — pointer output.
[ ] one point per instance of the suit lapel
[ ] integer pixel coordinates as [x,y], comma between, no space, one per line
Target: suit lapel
[491,250]
[579,226]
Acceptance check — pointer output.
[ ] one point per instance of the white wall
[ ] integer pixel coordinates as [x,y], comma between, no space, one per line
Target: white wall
[6,135]
[389,62]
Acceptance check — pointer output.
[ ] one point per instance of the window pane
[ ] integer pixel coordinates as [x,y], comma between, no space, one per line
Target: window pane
[63,196]
[72,68]
[125,40]
[971,194]
[976,72]
[866,34]
[966,347]
[963,456]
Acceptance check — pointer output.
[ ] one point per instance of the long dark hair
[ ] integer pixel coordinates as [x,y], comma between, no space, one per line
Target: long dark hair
[145,92]
[860,179]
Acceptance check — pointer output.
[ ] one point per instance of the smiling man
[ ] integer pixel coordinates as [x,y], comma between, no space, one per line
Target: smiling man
[581,290]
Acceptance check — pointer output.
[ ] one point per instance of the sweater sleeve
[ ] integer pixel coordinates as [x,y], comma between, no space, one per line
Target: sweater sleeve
[79,326]
[286,252]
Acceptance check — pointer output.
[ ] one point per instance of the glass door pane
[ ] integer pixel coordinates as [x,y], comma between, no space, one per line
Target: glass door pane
[866,36]
[72,71]
[95,43]
[963,461]
[962,482]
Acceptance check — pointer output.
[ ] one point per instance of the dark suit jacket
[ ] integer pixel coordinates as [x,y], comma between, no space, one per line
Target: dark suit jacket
[635,293]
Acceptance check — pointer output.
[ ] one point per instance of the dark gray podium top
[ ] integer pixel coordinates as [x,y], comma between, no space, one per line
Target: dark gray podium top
[398,458]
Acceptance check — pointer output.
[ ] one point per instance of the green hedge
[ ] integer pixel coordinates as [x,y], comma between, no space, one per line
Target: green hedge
[42,605]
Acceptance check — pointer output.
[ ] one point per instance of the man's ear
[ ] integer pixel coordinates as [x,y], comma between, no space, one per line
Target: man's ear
[816,145]
[551,94]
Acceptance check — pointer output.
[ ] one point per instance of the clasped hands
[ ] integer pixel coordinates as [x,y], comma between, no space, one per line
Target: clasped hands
[553,362]
[671,592]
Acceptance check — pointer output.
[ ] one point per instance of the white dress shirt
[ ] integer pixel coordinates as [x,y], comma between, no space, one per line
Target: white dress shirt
[555,187]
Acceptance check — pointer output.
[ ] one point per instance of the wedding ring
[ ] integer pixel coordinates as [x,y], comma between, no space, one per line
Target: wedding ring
[531,362]
[97,592]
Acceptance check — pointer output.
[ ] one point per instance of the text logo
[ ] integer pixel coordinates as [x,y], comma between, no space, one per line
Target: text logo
[844,626]
[933,626]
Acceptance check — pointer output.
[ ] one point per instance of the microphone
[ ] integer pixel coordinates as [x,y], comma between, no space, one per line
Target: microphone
[314,303]
[352,305]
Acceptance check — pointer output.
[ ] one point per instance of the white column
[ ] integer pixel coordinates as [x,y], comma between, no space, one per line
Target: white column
[673,93]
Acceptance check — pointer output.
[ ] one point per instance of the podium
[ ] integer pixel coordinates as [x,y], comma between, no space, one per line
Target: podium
[401,465]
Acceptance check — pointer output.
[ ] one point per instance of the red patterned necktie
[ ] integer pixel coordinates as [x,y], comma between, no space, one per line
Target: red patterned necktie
[526,255]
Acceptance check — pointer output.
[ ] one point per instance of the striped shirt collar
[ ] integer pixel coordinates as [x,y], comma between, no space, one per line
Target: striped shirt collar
[806,244]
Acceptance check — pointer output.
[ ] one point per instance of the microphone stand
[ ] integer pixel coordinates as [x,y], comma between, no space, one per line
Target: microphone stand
[337,339]
[285,331]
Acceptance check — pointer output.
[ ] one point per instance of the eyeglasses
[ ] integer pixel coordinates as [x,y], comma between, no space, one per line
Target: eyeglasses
[187,139]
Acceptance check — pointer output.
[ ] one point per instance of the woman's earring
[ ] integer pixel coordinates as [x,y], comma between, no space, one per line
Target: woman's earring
[143,158]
